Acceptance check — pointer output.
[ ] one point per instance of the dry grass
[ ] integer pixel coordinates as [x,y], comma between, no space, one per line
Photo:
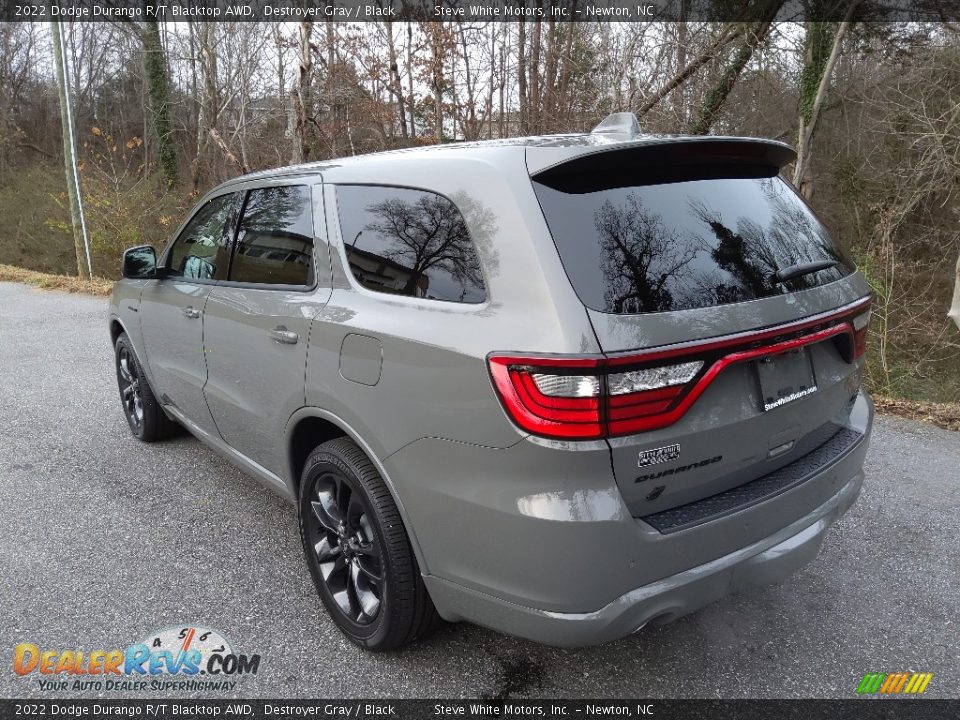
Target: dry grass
[66,283]
[945,415]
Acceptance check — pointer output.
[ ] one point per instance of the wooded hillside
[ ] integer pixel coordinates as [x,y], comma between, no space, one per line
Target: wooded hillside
[164,111]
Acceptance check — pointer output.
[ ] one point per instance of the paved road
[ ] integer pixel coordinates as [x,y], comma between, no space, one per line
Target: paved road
[104,539]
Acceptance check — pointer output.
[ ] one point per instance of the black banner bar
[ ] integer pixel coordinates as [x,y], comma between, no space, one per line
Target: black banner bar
[875,709]
[468,10]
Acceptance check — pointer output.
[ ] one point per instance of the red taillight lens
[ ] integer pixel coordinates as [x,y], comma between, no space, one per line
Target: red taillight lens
[639,398]
[583,399]
[861,326]
[558,398]
[577,398]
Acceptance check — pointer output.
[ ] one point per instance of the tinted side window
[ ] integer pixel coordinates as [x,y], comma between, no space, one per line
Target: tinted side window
[409,242]
[275,237]
[203,249]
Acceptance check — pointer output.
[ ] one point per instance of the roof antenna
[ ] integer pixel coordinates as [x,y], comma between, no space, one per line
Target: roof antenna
[619,123]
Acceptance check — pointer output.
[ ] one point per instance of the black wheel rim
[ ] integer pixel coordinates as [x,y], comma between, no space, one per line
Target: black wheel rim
[345,547]
[130,392]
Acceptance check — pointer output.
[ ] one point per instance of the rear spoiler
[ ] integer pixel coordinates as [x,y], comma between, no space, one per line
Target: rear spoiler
[656,160]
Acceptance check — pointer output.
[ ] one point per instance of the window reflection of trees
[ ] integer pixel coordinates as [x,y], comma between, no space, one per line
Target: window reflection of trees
[650,266]
[203,247]
[640,256]
[417,242]
[275,242]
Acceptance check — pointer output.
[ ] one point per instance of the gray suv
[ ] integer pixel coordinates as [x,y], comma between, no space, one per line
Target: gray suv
[557,386]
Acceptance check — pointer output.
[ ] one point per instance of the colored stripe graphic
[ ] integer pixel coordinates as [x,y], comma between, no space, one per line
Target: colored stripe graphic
[871,683]
[922,684]
[894,683]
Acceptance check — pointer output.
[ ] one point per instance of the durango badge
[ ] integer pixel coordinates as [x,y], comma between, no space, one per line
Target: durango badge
[658,455]
[680,469]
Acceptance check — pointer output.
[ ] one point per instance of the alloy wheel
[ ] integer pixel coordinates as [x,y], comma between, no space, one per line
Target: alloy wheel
[130,392]
[345,547]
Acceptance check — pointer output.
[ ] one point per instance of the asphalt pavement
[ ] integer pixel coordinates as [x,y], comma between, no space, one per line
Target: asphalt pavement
[104,540]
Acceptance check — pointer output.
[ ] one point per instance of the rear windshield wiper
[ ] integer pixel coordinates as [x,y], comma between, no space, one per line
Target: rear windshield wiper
[795,271]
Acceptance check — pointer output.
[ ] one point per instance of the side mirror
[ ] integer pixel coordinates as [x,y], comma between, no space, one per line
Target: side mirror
[139,262]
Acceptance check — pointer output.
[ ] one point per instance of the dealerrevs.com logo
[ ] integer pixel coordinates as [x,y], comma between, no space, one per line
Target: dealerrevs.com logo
[185,659]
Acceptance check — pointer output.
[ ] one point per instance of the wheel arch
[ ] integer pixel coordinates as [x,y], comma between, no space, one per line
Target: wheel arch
[311,426]
[116,329]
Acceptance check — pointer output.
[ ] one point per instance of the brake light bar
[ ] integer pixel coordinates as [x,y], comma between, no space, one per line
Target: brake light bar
[592,397]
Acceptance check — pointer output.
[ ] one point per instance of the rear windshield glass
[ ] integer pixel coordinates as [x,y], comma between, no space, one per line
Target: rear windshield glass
[646,248]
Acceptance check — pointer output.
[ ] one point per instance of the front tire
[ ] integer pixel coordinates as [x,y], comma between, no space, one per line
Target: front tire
[358,552]
[147,420]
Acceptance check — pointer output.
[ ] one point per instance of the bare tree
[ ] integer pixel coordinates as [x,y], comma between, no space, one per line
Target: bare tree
[817,72]
[301,97]
[717,96]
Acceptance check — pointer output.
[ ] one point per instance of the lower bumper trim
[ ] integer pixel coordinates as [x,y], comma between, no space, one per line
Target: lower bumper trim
[833,450]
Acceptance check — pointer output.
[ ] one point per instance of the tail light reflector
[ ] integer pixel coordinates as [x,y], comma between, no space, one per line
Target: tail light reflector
[584,398]
[861,326]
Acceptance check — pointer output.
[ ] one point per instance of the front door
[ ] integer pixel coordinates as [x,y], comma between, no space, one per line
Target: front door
[172,308]
[256,323]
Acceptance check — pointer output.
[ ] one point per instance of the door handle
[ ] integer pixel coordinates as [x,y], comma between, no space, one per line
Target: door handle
[189,312]
[280,334]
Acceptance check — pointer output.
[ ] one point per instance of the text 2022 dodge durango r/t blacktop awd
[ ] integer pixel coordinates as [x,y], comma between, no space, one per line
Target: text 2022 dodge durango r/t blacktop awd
[558,386]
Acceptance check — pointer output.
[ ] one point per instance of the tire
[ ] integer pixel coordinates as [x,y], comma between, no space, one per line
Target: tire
[147,420]
[352,535]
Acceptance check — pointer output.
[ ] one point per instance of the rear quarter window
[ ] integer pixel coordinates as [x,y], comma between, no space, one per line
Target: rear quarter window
[409,242]
[701,242]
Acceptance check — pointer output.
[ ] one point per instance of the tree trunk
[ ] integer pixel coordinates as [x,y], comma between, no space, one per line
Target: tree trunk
[549,77]
[565,61]
[501,127]
[301,98]
[69,159]
[410,96]
[718,95]
[536,101]
[227,152]
[436,79]
[814,85]
[158,91]
[522,75]
[728,36]
[396,87]
[209,102]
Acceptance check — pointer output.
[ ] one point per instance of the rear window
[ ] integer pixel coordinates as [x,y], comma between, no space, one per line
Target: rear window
[643,248]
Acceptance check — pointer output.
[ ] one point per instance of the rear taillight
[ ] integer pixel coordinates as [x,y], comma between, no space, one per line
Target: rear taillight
[585,398]
[553,397]
[639,398]
[861,326]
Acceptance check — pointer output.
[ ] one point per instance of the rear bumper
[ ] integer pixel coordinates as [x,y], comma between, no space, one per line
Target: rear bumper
[763,562]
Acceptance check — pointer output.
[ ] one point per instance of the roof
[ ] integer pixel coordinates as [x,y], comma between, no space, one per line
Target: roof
[543,151]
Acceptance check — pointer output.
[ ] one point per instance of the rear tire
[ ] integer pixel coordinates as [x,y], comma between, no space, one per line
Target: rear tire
[146,418]
[358,552]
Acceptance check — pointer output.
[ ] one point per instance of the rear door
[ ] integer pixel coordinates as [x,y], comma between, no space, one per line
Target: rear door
[171,309]
[721,371]
[257,322]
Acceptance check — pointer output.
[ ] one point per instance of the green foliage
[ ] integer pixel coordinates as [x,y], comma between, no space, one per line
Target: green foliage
[158,89]
[122,206]
[818,41]
[35,230]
